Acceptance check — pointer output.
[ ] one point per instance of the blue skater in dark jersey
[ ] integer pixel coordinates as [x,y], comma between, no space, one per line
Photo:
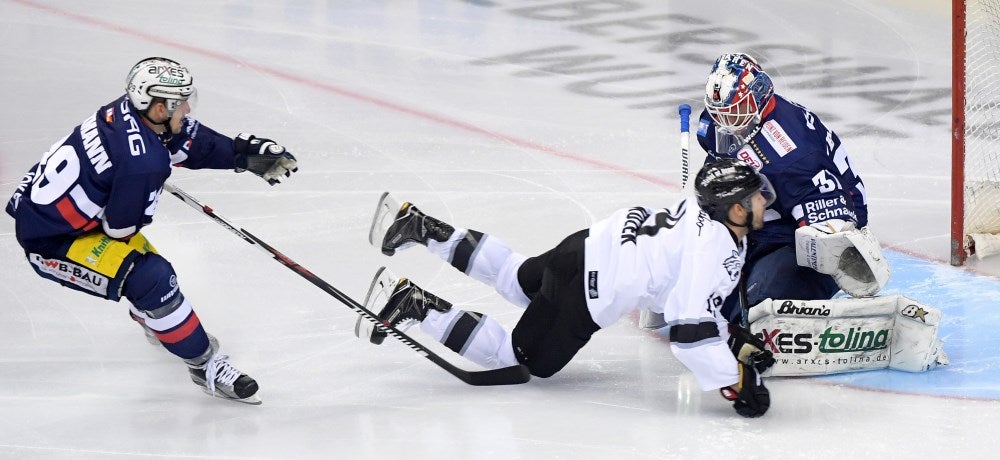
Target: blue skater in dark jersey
[821,200]
[79,210]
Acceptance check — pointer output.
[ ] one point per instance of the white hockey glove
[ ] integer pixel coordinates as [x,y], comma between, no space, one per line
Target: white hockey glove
[263,157]
[853,257]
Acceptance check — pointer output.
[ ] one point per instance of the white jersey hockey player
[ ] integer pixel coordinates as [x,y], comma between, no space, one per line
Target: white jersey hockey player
[681,261]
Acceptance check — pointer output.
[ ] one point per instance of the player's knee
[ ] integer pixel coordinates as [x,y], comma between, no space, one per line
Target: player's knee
[152,283]
[543,370]
[543,366]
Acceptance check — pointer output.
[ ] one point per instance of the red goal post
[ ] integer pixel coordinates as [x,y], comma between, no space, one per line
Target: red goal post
[975,183]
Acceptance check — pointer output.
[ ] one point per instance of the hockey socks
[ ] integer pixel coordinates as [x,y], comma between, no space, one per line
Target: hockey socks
[485,258]
[475,336]
[176,326]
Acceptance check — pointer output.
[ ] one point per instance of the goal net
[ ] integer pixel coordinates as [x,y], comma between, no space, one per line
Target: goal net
[975,129]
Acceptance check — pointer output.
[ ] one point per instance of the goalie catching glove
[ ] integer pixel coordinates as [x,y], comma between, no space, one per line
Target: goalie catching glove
[263,157]
[853,257]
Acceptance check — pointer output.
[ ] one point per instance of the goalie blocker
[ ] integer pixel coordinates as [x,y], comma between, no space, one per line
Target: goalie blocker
[819,337]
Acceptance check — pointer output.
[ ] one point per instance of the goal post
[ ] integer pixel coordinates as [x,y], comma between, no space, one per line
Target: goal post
[975,131]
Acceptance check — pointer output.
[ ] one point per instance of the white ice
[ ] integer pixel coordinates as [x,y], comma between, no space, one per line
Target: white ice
[459,107]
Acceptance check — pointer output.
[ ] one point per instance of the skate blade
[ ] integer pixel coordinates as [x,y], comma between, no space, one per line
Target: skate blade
[252,399]
[364,328]
[385,215]
[378,294]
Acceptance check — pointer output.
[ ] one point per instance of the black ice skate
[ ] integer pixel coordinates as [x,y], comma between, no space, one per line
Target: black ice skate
[405,304]
[218,378]
[408,226]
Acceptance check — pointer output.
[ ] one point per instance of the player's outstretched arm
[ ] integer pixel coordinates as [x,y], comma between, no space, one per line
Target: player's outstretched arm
[263,157]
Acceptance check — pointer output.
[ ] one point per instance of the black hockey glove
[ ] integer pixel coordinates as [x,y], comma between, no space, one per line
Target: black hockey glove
[263,157]
[751,397]
[748,349]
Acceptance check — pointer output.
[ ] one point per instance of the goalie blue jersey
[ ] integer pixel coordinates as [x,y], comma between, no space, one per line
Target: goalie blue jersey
[806,164]
[108,173]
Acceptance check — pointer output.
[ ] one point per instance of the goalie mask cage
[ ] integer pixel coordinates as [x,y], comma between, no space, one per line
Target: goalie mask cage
[975,183]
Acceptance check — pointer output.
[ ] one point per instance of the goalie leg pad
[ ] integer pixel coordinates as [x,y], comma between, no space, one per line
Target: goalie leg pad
[841,335]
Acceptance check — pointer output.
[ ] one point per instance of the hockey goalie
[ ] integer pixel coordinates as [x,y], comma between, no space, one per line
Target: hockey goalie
[815,242]
[847,334]
[844,334]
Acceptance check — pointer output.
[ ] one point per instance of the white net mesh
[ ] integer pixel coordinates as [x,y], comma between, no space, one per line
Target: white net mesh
[982,120]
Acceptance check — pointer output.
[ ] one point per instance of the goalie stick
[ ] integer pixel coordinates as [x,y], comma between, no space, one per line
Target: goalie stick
[504,376]
[684,111]
[648,319]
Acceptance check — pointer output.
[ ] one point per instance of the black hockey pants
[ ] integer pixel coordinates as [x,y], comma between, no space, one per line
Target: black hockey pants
[556,323]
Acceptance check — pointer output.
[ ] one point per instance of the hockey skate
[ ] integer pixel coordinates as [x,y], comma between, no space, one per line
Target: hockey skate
[403,304]
[398,226]
[218,378]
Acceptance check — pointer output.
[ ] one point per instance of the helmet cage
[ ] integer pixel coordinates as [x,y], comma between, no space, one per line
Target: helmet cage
[736,93]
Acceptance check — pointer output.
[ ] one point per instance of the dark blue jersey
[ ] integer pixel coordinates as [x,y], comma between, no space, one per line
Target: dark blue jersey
[108,172]
[806,164]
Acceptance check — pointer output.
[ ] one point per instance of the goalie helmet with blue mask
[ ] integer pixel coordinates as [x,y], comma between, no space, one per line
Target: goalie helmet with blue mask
[723,183]
[736,94]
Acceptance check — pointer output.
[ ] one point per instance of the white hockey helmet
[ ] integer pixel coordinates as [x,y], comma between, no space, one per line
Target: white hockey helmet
[736,93]
[159,77]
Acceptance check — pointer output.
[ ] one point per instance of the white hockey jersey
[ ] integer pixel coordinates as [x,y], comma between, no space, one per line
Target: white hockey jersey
[678,262]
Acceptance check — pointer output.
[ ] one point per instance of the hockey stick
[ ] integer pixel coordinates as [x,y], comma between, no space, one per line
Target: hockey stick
[503,376]
[648,319]
[684,111]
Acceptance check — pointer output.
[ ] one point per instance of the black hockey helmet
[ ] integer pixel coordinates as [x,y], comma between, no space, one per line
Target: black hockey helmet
[728,181]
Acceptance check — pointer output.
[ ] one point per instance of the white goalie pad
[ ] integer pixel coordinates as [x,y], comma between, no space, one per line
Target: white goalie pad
[817,337]
[853,257]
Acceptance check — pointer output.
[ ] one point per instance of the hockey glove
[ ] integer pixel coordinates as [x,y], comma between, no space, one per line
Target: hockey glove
[748,349]
[751,397]
[263,157]
[852,257]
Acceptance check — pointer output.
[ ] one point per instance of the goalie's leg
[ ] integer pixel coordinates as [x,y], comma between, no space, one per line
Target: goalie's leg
[776,275]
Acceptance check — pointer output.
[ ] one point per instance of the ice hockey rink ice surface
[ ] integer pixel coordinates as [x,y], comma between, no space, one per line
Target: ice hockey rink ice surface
[452,104]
